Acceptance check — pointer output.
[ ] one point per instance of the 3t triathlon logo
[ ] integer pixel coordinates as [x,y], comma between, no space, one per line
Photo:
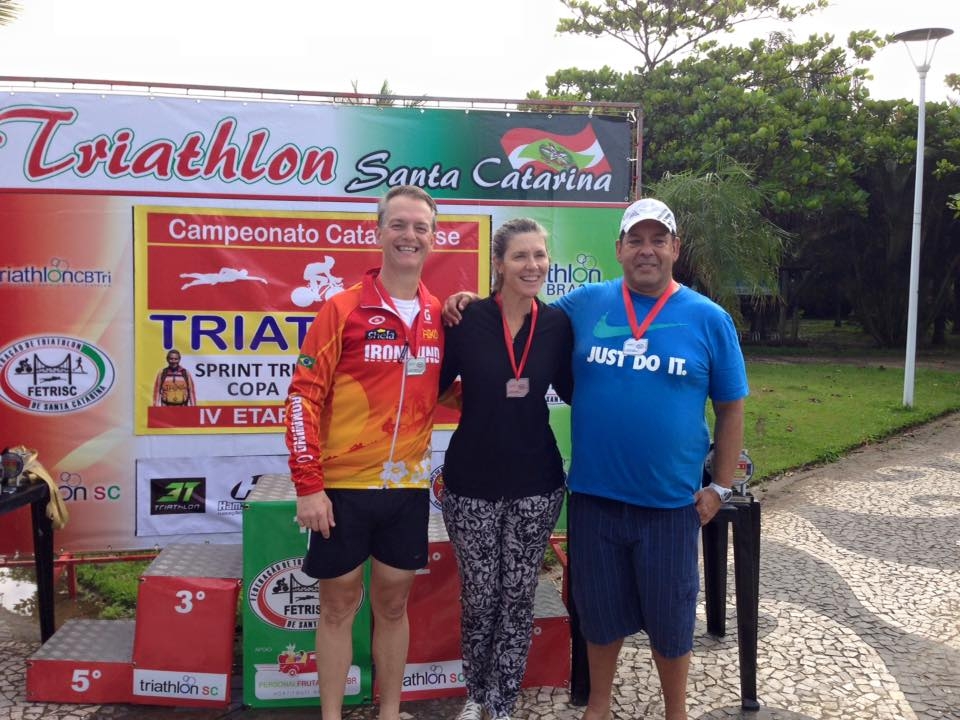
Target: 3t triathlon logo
[54,374]
[178,496]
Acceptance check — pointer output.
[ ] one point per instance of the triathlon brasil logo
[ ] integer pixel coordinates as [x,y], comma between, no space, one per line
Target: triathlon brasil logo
[54,374]
[544,151]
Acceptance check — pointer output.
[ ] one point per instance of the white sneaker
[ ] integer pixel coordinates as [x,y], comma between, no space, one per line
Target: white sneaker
[471,711]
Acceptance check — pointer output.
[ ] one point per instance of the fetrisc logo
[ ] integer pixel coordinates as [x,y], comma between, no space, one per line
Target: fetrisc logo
[54,374]
[436,487]
[283,596]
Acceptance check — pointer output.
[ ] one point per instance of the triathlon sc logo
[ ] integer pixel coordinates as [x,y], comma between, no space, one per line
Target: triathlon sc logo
[54,374]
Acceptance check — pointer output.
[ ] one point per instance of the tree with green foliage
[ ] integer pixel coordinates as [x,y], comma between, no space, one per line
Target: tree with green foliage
[661,29]
[385,98]
[728,248]
[8,11]
[877,243]
[833,167]
[953,82]
[954,205]
[779,108]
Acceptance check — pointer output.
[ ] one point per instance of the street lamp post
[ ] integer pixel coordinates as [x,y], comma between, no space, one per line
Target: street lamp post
[930,37]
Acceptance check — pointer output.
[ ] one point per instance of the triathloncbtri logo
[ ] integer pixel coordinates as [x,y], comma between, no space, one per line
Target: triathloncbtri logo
[56,272]
[433,675]
[54,374]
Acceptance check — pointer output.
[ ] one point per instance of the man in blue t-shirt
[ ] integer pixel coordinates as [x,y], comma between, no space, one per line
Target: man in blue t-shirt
[648,354]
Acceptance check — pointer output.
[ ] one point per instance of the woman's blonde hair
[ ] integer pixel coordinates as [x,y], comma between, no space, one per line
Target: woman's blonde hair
[502,237]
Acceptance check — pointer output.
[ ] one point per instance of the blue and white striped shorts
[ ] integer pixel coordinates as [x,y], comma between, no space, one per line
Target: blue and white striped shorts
[632,569]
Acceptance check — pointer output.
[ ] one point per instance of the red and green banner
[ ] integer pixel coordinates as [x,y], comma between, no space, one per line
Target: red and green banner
[134,226]
[234,291]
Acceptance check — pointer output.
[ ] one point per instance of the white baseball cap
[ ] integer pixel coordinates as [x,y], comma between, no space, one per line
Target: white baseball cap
[648,209]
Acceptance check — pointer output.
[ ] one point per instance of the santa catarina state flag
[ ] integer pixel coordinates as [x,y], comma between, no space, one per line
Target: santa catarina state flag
[548,151]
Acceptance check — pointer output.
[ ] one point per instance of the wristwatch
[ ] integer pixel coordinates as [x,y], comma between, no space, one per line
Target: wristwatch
[725,493]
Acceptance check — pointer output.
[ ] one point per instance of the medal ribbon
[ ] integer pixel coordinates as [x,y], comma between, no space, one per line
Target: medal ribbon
[412,342]
[639,330]
[508,341]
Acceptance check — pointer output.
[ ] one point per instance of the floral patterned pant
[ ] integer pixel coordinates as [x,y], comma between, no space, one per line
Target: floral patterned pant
[499,546]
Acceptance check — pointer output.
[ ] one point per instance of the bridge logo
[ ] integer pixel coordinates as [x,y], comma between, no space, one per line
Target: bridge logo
[285,597]
[56,374]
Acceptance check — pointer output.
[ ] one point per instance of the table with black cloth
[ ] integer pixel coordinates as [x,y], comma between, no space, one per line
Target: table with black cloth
[37,495]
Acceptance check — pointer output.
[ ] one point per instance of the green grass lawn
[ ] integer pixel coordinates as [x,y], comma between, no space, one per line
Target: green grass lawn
[848,341]
[835,391]
[809,412]
[114,584]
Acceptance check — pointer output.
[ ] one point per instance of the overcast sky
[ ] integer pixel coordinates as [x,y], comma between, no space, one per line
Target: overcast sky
[461,48]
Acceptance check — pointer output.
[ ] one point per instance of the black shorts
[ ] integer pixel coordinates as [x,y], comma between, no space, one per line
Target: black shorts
[390,525]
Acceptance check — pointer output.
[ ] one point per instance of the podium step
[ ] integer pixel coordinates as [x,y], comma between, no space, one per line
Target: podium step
[186,619]
[547,603]
[434,668]
[280,608]
[86,661]
[198,560]
[434,665]
[548,664]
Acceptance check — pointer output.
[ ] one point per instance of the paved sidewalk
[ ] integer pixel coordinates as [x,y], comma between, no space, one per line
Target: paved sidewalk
[859,608]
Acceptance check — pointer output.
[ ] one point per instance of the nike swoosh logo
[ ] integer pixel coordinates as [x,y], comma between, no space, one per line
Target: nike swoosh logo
[603,330]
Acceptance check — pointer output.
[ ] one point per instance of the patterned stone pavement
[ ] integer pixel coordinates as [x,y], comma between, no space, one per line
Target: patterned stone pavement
[859,608]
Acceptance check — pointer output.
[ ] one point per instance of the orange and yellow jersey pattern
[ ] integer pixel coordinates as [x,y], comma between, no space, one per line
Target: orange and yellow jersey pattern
[351,386]
[174,387]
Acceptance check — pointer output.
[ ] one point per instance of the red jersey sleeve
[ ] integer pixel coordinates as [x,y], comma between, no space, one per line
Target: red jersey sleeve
[307,398]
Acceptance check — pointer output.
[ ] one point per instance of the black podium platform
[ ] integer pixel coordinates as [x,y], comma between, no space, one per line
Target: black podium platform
[37,495]
[743,513]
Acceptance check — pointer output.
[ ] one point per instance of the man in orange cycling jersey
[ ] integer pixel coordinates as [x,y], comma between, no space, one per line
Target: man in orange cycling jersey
[359,418]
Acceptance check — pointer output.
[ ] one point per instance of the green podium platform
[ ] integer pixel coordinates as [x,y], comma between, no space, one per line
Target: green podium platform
[280,608]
